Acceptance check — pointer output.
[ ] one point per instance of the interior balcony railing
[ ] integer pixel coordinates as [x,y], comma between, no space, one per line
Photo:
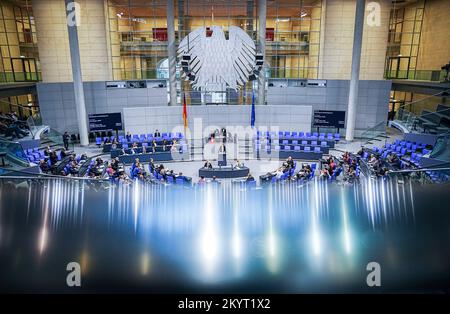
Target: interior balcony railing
[13,77]
[421,116]
[374,133]
[12,156]
[418,75]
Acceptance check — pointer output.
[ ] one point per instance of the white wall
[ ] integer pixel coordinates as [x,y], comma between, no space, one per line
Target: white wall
[53,41]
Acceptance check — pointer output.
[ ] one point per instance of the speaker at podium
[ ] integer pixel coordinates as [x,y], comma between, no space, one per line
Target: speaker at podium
[222,156]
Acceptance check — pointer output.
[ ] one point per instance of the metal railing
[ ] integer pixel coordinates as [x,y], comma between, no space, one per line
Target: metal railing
[408,113]
[373,132]
[418,75]
[13,152]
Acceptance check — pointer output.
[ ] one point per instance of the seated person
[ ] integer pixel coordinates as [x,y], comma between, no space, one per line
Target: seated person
[154,146]
[360,153]
[47,151]
[382,172]
[98,162]
[115,164]
[290,162]
[134,164]
[346,158]
[304,173]
[110,171]
[64,153]
[73,169]
[43,165]
[207,165]
[83,156]
[107,141]
[279,172]
[138,172]
[249,178]
[324,173]
[164,145]
[114,143]
[175,146]
[128,137]
[182,177]
[373,161]
[332,164]
[14,129]
[350,175]
[134,148]
[123,178]
[151,165]
[393,159]
[201,180]
[53,158]
[238,164]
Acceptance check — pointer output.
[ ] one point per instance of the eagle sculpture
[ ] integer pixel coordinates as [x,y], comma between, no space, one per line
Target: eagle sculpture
[211,62]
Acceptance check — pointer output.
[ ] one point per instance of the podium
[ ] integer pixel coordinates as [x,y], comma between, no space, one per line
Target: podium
[222,159]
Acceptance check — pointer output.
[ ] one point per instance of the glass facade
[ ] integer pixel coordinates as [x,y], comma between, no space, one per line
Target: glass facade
[19,57]
[405,26]
[138,33]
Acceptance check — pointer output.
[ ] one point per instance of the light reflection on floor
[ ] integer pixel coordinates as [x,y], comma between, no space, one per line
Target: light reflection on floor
[281,238]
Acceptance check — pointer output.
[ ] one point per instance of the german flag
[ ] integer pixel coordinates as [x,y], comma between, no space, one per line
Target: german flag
[185,118]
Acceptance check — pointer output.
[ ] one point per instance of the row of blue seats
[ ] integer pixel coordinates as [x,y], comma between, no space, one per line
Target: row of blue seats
[291,173]
[316,149]
[437,176]
[140,138]
[145,144]
[300,135]
[303,143]
[36,156]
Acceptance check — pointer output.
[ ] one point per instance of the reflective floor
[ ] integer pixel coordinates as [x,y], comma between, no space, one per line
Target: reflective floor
[293,238]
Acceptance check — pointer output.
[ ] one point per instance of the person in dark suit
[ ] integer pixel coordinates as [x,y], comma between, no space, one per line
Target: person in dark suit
[290,162]
[151,165]
[66,138]
[128,137]
[157,134]
[207,165]
[181,176]
[250,178]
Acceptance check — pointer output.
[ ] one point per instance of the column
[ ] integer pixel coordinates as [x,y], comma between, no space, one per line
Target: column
[76,71]
[172,52]
[356,61]
[262,49]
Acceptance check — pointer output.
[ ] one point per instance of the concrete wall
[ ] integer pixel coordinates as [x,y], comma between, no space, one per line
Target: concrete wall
[434,48]
[338,27]
[372,101]
[53,41]
[56,101]
[146,120]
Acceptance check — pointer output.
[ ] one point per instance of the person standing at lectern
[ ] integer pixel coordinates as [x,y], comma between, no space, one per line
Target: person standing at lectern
[222,148]
[157,134]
